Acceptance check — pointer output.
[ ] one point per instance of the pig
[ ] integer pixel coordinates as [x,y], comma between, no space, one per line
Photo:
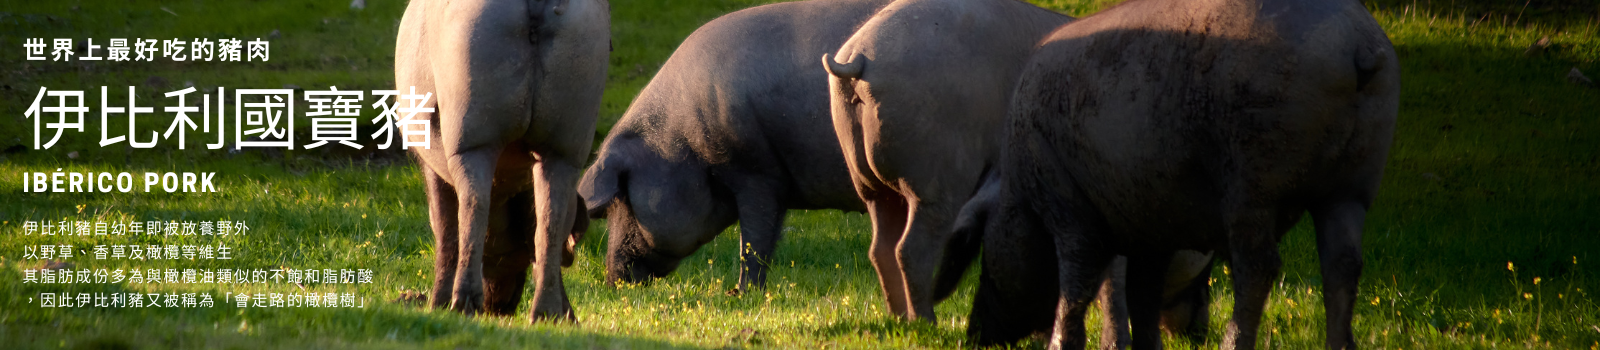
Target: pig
[1165,125]
[515,90]
[734,128]
[918,96]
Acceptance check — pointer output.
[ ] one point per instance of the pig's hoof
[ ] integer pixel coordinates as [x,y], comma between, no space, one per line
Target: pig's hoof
[556,313]
[470,305]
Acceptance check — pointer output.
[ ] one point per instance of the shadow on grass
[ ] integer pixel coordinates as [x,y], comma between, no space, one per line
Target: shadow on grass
[1493,162]
[1559,13]
[923,333]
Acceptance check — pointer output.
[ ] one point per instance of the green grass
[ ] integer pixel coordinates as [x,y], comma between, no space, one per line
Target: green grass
[1494,162]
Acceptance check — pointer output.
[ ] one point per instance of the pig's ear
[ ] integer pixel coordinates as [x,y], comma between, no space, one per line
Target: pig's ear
[971,223]
[580,223]
[603,182]
[981,207]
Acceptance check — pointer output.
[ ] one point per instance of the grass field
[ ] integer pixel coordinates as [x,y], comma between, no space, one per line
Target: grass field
[1482,237]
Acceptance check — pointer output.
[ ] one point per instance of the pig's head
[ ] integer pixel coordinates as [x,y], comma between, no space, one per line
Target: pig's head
[658,210]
